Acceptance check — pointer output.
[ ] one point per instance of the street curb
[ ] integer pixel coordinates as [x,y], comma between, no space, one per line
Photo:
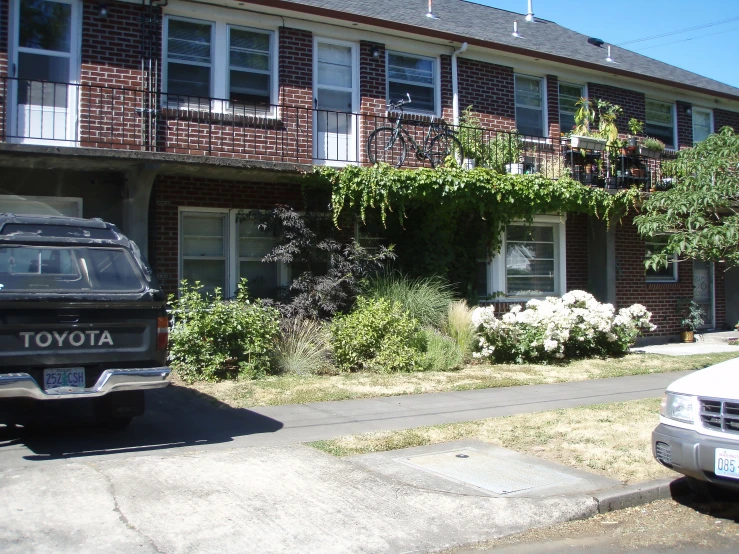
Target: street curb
[627,496]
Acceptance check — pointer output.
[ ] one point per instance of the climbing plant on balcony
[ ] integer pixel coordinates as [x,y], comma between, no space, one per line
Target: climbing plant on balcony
[446,220]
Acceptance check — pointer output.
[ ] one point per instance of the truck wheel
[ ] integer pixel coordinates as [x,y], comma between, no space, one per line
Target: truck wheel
[115,411]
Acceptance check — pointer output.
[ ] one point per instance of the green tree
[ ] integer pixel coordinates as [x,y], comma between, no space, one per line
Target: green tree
[698,218]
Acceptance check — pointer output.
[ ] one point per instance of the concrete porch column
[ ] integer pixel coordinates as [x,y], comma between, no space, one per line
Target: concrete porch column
[137,193]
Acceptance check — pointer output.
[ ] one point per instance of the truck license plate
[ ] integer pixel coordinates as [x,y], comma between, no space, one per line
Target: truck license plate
[727,463]
[73,377]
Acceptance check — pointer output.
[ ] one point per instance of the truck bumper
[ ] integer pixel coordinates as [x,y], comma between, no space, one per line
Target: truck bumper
[691,453]
[22,385]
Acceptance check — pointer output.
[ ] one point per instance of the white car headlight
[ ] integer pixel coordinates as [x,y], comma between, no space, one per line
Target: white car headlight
[678,406]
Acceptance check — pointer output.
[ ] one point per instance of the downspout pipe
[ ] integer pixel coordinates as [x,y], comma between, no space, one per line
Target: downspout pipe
[455,84]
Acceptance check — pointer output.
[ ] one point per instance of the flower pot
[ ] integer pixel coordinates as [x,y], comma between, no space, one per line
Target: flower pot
[633,143]
[649,153]
[514,169]
[588,143]
[687,336]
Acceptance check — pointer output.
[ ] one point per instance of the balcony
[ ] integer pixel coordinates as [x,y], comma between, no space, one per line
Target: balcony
[115,118]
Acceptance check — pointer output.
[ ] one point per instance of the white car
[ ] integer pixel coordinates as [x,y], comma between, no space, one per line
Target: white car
[698,433]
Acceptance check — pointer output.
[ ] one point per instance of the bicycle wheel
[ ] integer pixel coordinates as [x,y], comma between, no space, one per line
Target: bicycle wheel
[443,148]
[386,145]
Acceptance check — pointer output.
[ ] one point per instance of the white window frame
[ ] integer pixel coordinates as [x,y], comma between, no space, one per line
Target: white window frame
[8,200]
[165,55]
[236,258]
[497,280]
[436,112]
[231,249]
[583,94]
[74,56]
[672,260]
[180,240]
[220,57]
[672,146]
[270,71]
[708,111]
[543,108]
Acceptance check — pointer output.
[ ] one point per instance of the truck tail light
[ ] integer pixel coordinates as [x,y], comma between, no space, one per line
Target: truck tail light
[162,332]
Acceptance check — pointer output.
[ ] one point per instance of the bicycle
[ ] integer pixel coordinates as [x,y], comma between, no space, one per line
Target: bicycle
[388,144]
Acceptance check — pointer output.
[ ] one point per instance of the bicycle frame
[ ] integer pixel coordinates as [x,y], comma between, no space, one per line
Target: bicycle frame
[433,127]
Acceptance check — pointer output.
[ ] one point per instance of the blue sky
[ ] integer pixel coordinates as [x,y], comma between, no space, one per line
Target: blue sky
[712,51]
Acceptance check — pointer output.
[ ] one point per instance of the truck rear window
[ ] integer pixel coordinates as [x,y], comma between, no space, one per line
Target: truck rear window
[67,269]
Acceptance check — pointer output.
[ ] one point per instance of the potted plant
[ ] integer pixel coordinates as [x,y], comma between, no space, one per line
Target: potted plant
[651,147]
[582,135]
[692,318]
[636,127]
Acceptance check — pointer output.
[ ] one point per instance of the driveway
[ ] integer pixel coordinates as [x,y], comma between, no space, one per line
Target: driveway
[193,475]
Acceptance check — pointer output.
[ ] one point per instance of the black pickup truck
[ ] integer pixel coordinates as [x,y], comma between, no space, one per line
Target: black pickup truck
[81,317]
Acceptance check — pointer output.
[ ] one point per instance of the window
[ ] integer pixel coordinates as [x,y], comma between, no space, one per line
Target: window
[218,248]
[531,263]
[41,205]
[529,257]
[568,96]
[702,124]
[207,59]
[250,67]
[189,60]
[660,123]
[529,106]
[203,249]
[255,243]
[666,274]
[414,75]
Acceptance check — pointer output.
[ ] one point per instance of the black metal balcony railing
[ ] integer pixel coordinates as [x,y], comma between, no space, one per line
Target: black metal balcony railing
[108,117]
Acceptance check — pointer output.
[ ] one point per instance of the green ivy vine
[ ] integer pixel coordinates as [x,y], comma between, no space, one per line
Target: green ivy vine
[444,220]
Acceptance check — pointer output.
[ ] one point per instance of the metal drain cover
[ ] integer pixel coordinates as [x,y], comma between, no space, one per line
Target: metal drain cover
[498,474]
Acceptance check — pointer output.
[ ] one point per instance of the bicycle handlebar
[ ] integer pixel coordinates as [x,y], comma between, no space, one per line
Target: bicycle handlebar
[399,103]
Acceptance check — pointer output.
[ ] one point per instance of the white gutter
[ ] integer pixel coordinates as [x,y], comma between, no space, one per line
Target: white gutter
[455,85]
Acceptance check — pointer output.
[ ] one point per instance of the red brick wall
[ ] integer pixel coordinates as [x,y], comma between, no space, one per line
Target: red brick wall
[576,229]
[372,78]
[296,83]
[4,14]
[722,118]
[4,4]
[170,192]
[684,125]
[634,104]
[632,287]
[489,88]
[720,297]
[553,106]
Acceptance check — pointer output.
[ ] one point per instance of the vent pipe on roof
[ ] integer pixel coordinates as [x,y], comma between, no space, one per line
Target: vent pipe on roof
[609,59]
[530,14]
[515,30]
[430,13]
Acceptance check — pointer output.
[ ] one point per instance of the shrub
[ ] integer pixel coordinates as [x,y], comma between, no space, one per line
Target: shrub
[330,273]
[442,352]
[574,326]
[214,339]
[303,347]
[378,336]
[426,299]
[458,325]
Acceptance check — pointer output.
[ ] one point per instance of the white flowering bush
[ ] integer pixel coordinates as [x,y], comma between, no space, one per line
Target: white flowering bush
[574,326]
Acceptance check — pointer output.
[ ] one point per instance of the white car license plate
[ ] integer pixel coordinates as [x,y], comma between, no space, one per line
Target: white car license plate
[64,377]
[727,463]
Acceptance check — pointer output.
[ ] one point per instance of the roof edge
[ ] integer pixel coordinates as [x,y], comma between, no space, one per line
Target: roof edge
[344,16]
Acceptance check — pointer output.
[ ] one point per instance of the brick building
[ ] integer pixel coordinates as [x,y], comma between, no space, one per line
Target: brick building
[170,117]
